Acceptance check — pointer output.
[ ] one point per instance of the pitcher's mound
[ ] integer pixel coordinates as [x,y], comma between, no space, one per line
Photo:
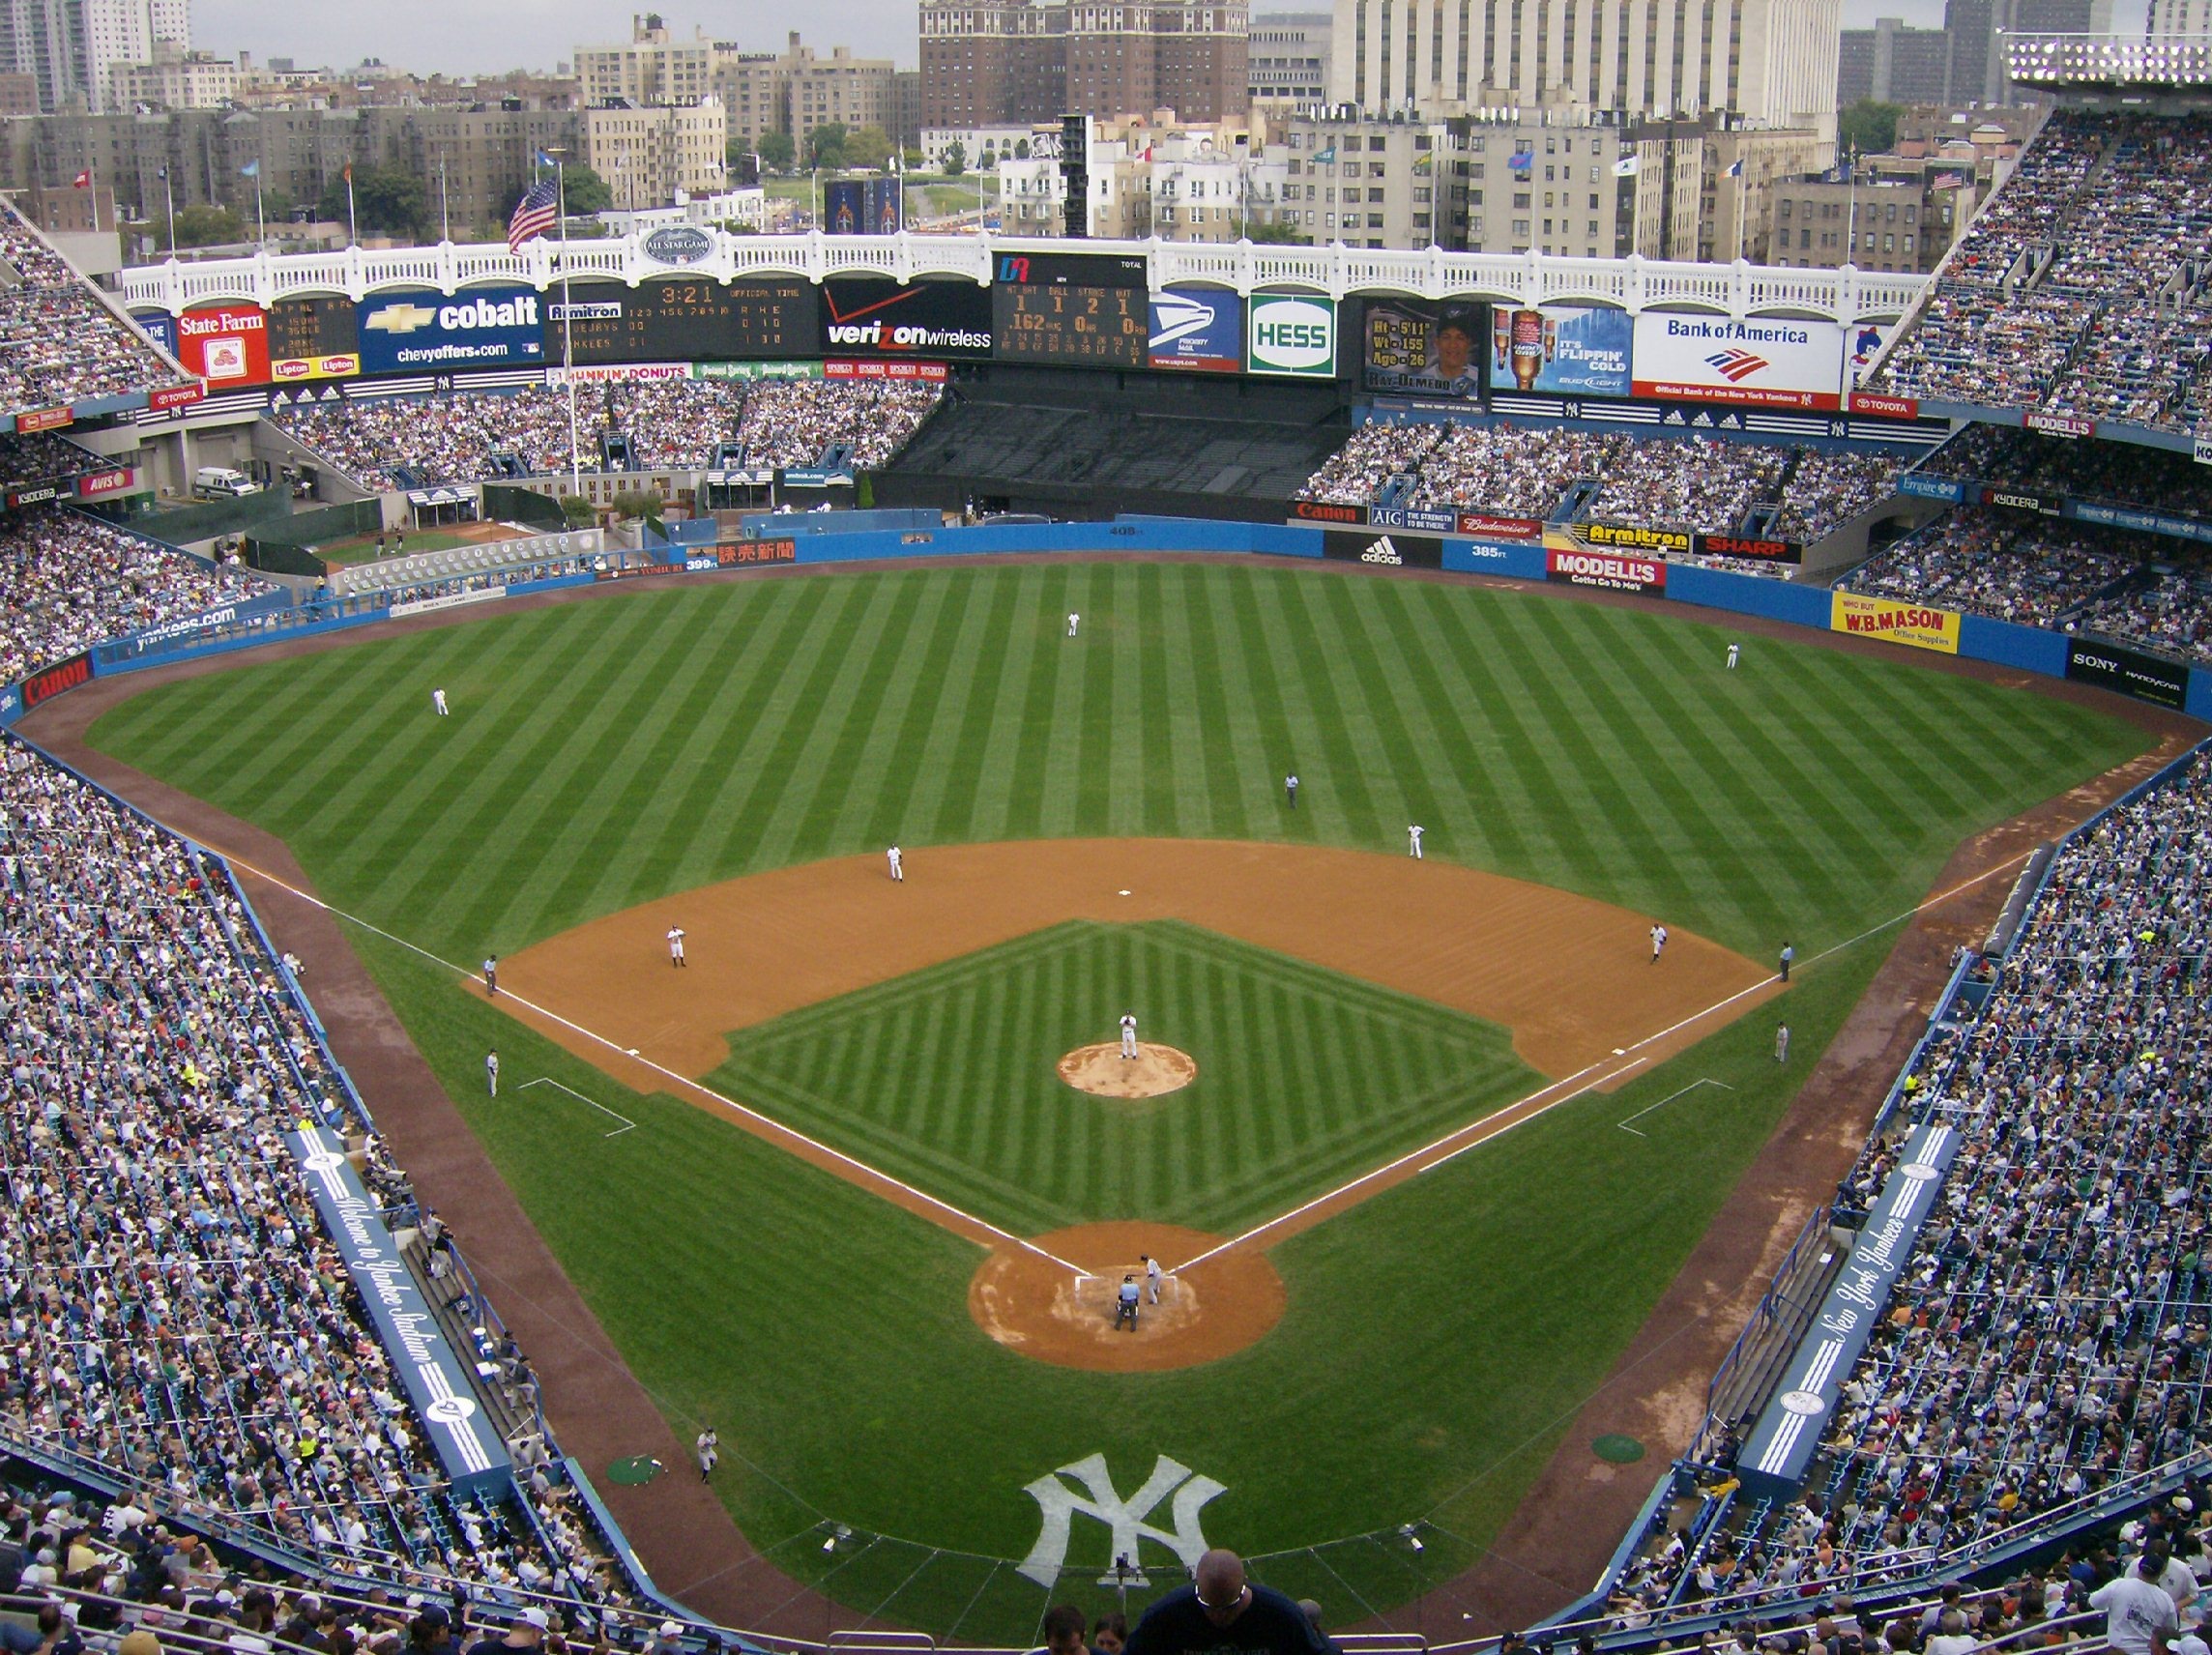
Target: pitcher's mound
[1031,1305]
[1154,1071]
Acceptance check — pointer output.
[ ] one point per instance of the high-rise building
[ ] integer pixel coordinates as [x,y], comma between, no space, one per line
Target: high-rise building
[650,69]
[1287,69]
[68,46]
[999,62]
[838,90]
[2170,18]
[647,154]
[1893,64]
[1772,62]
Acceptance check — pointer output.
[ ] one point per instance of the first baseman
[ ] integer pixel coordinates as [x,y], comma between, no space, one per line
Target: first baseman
[1128,1034]
[676,945]
[898,865]
[491,973]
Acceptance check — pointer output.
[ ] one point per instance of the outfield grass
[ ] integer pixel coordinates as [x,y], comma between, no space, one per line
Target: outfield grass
[1437,1337]
[945,1078]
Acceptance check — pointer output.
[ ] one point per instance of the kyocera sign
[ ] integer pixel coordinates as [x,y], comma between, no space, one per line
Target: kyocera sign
[1291,335]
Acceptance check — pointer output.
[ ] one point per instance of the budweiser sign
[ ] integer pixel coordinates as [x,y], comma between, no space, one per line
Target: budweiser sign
[1485,528]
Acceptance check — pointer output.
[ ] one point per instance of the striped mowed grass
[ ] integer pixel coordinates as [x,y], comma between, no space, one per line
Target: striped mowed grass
[603,753]
[1439,1335]
[945,1078]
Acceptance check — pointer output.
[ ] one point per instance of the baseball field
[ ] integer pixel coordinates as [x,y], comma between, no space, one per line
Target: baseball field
[1437,1134]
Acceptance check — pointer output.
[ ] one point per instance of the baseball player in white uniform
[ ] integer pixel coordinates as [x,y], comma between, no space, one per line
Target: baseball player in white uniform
[1072,620]
[491,1072]
[1128,1034]
[1658,941]
[438,700]
[1152,1276]
[898,865]
[1733,650]
[1414,834]
[676,945]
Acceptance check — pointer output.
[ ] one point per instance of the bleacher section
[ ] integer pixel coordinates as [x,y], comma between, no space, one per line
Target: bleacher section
[59,343]
[2082,289]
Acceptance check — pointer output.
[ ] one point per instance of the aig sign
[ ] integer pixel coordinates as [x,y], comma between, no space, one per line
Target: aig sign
[1289,334]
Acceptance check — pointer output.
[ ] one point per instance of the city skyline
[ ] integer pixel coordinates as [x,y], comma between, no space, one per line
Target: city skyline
[429,37]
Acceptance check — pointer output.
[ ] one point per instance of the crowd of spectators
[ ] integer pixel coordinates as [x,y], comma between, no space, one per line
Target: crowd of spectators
[175,1312]
[2049,1334]
[2013,566]
[71,582]
[35,456]
[2120,474]
[2169,610]
[462,436]
[1702,483]
[59,343]
[2102,231]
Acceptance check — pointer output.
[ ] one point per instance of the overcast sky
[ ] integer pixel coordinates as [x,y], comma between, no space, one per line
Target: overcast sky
[427,36]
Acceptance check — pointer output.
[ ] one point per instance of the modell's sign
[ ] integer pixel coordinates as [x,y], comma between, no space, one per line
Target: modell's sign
[2061,426]
[1605,569]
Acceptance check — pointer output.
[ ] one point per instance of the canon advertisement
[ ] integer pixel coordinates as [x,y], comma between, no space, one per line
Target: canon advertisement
[1420,349]
[1755,364]
[1197,330]
[228,345]
[427,331]
[875,316]
[1561,350]
[1394,549]
[2131,672]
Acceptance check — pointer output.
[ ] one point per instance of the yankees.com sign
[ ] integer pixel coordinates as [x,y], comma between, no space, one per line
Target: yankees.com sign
[1392,549]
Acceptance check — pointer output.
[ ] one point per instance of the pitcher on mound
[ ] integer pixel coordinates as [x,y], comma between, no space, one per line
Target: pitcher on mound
[1128,1034]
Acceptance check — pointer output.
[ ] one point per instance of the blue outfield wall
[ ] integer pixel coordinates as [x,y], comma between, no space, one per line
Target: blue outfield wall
[1750,594]
[2030,647]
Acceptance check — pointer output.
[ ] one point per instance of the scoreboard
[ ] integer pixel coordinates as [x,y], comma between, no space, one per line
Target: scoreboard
[312,338]
[1086,309]
[682,319]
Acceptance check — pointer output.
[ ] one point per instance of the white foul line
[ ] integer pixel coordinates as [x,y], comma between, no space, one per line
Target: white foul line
[773,1127]
[1669,1098]
[627,1124]
[1473,1131]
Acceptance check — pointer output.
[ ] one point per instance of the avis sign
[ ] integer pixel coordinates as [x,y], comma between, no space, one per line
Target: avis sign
[1291,333]
[1126,1520]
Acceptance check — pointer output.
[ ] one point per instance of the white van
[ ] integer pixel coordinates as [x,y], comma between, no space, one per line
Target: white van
[216,483]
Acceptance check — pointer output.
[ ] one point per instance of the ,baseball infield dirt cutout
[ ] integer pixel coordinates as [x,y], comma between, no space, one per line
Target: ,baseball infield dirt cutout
[1153,1072]
[1571,976]
[1039,1309]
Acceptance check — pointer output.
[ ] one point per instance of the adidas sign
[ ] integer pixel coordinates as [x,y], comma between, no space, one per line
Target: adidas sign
[1383,552]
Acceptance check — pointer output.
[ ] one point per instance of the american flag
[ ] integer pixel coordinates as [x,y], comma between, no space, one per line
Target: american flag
[534,215]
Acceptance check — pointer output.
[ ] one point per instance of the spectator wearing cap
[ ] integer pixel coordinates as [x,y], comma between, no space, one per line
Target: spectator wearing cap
[2140,1618]
[525,1632]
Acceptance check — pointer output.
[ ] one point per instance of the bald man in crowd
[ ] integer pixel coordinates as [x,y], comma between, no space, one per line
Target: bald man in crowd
[1219,1611]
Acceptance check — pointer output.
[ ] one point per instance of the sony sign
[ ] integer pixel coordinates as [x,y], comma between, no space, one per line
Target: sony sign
[1288,334]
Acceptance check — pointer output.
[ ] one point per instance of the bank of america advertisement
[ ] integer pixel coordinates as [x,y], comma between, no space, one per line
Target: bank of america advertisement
[1560,349]
[1760,362]
[1198,329]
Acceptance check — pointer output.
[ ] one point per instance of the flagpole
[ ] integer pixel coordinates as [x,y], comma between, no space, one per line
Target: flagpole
[353,223]
[169,188]
[567,324]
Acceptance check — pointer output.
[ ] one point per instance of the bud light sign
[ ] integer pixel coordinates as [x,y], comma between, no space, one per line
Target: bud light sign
[478,326]
[1289,334]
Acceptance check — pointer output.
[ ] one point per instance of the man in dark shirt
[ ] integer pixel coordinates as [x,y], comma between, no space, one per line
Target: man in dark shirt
[1219,1611]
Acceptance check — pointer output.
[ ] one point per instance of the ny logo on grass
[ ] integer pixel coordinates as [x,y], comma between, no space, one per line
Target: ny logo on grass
[1125,1518]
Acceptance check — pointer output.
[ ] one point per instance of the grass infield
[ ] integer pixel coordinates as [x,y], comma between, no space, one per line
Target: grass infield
[1438,1337]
